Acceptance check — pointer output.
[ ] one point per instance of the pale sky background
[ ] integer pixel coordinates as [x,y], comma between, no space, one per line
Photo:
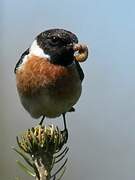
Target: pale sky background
[102,130]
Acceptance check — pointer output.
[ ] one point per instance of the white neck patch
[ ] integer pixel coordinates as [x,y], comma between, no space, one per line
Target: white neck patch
[37,51]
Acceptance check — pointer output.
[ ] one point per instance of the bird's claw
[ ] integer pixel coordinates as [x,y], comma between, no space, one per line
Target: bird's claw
[65,135]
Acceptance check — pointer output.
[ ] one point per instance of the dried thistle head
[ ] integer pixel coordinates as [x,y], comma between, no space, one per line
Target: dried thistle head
[43,144]
[41,139]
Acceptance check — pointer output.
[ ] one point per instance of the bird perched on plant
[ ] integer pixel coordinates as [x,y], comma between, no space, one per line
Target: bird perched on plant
[48,74]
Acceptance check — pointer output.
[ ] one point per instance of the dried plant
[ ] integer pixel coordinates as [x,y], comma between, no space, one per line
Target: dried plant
[41,147]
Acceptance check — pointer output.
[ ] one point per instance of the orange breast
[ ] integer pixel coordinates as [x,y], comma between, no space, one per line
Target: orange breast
[38,73]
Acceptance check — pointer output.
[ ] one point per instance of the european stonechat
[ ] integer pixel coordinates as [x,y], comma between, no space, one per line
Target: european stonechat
[48,74]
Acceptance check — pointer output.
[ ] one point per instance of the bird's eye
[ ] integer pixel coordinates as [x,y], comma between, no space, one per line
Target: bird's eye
[55,40]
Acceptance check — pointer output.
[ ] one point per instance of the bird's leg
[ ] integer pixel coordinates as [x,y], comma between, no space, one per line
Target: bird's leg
[41,122]
[65,131]
[64,119]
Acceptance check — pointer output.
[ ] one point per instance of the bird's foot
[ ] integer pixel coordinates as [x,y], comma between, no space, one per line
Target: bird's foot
[65,135]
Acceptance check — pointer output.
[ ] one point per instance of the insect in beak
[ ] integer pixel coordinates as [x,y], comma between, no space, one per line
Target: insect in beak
[81,52]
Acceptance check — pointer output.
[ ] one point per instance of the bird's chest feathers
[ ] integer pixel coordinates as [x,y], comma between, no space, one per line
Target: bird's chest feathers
[39,74]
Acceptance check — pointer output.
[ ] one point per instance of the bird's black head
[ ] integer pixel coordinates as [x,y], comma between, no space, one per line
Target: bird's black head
[58,44]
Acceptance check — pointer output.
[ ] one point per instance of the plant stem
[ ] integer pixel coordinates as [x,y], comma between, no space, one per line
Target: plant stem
[43,165]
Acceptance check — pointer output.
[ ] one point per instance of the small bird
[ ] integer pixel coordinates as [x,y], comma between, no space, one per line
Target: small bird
[48,75]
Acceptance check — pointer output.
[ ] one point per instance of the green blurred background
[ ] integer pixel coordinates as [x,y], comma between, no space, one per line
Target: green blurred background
[102,130]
